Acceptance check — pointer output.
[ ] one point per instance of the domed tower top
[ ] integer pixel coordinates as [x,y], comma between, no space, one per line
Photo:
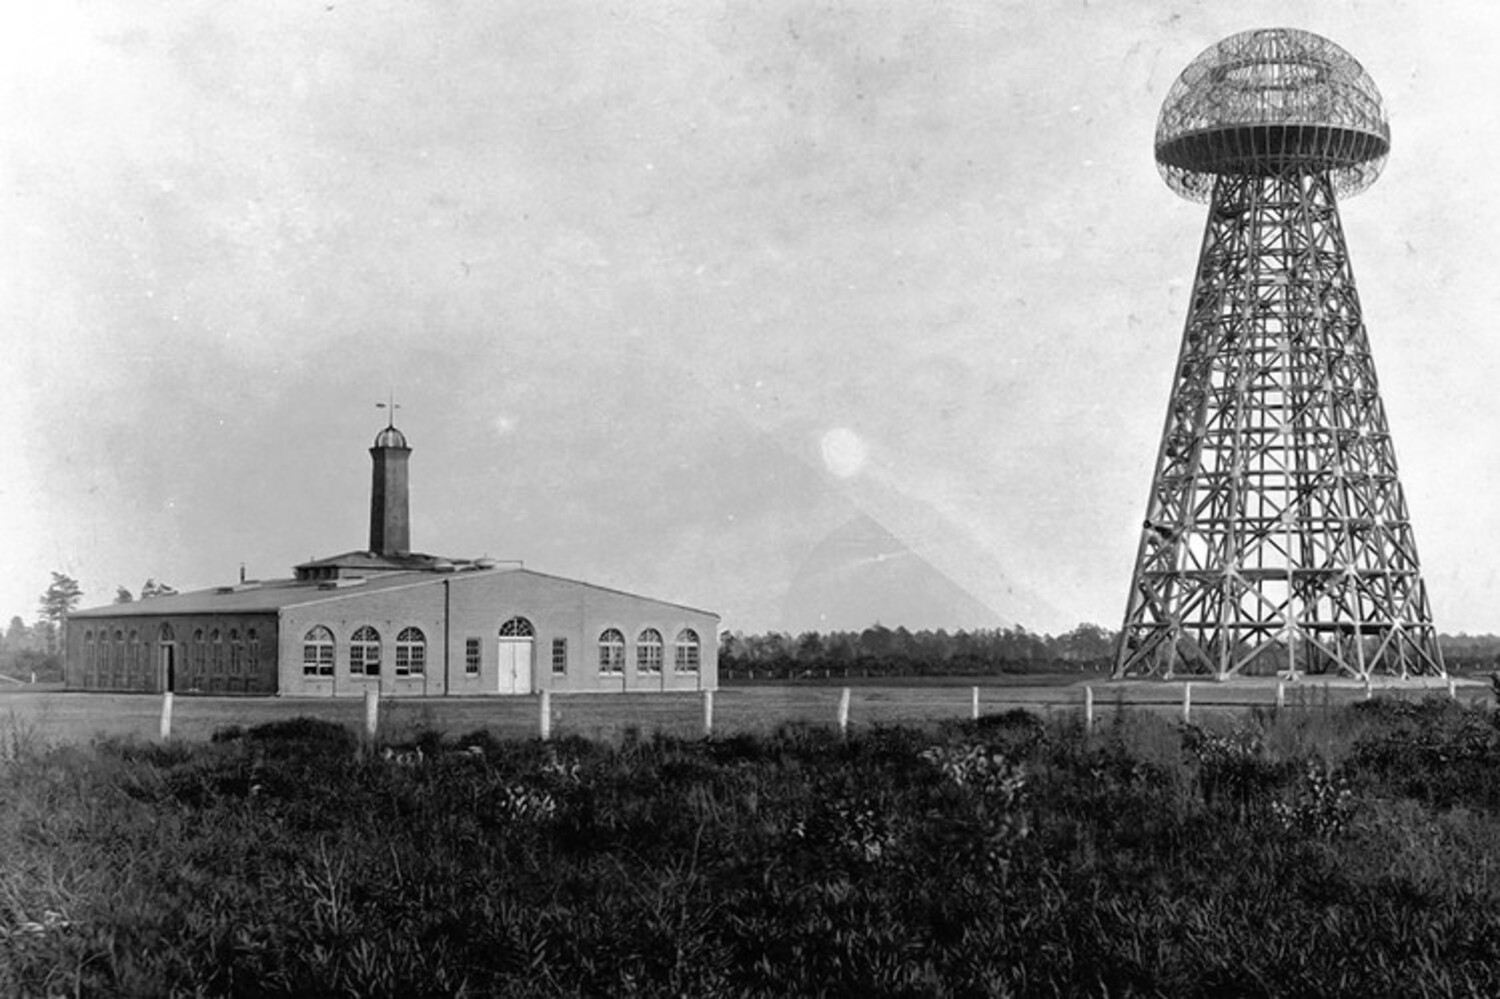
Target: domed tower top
[1269,102]
[391,437]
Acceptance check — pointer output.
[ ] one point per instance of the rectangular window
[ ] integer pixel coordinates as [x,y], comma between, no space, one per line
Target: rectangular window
[364,660]
[559,656]
[317,659]
[410,659]
[471,657]
[648,658]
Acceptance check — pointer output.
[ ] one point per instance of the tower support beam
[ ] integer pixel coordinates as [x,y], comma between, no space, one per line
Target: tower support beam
[1276,538]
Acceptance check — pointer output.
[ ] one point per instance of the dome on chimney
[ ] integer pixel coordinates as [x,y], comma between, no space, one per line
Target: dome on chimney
[390,437]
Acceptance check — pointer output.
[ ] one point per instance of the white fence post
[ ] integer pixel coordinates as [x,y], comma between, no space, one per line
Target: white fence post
[166,715]
[544,719]
[974,705]
[708,713]
[1187,703]
[1452,690]
[1088,709]
[372,713]
[844,712]
[1280,694]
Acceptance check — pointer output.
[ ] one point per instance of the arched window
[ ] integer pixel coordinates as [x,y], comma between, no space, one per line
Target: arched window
[648,652]
[236,652]
[364,652]
[200,657]
[252,658]
[517,627]
[688,653]
[317,652]
[137,660]
[90,660]
[118,664]
[217,641]
[611,652]
[411,652]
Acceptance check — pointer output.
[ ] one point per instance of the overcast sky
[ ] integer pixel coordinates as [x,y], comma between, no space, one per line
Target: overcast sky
[672,294]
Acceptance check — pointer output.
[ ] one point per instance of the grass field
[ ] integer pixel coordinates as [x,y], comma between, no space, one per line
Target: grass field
[1329,851]
[756,708]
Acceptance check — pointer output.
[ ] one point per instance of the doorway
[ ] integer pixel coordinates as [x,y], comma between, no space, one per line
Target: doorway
[167,668]
[516,640]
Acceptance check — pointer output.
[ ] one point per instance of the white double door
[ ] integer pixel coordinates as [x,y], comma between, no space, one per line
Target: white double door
[515,665]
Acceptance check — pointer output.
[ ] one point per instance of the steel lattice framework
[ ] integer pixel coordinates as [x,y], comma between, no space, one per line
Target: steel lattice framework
[1276,536]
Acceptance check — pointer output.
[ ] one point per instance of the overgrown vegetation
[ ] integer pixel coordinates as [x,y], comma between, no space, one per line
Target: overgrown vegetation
[1325,852]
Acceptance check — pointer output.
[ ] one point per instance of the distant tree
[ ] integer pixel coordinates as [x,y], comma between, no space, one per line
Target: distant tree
[18,637]
[57,602]
[44,638]
[1085,642]
[841,647]
[122,596]
[875,641]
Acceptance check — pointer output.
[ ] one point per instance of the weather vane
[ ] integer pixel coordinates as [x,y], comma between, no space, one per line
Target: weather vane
[391,405]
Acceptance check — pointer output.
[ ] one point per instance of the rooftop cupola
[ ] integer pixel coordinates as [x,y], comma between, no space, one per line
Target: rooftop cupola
[391,437]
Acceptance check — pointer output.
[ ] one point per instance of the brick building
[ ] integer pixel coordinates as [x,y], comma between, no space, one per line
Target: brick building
[408,623]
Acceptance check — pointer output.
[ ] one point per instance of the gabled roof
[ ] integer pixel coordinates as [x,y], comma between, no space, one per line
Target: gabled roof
[593,586]
[271,595]
[260,596]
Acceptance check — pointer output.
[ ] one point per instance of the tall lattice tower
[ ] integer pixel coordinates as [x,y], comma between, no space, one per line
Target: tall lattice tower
[1276,535]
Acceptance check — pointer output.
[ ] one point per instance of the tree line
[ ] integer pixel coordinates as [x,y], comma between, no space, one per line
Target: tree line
[882,651]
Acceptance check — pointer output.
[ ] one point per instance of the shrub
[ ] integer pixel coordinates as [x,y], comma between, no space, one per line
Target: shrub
[1011,856]
[303,731]
[1321,805]
[1433,750]
[1234,770]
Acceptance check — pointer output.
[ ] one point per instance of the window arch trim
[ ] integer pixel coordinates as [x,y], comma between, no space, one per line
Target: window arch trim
[364,652]
[612,652]
[411,652]
[648,652]
[688,652]
[318,651]
[517,627]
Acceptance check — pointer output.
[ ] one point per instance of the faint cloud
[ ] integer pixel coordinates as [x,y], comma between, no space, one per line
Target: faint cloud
[503,425]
